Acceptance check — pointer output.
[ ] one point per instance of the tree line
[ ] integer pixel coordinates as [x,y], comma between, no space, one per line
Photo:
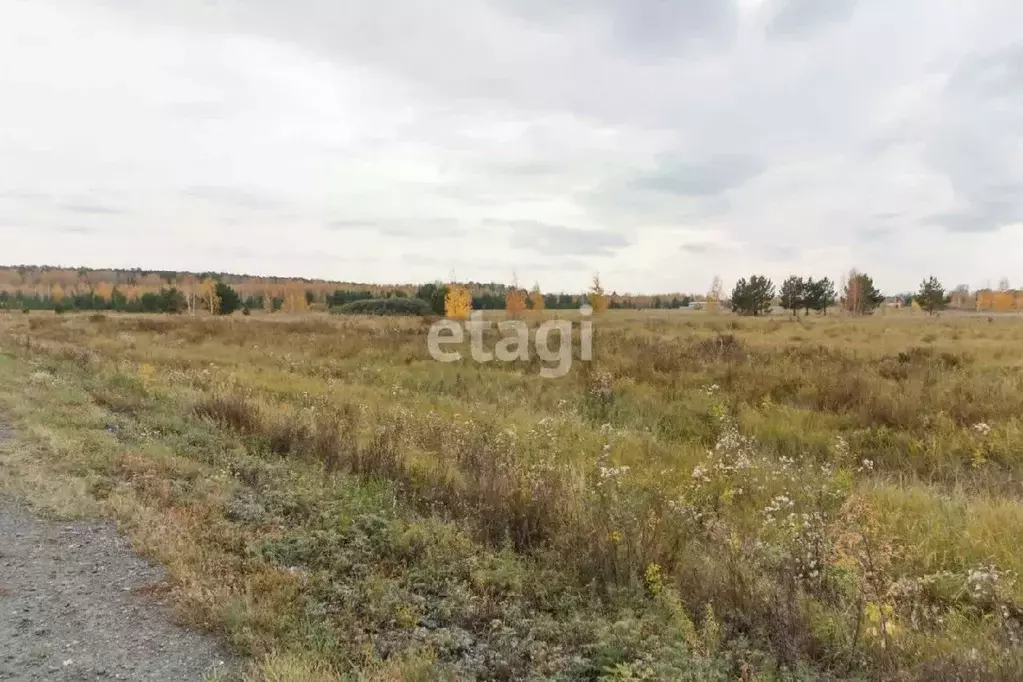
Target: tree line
[750,296]
[50,283]
[756,295]
[221,299]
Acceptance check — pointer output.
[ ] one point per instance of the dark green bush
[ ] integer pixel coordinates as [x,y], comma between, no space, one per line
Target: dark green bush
[228,299]
[412,307]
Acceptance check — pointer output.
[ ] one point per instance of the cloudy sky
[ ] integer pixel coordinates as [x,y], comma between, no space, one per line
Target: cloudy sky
[659,142]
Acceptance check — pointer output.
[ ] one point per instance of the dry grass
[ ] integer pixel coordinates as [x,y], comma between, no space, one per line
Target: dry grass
[712,498]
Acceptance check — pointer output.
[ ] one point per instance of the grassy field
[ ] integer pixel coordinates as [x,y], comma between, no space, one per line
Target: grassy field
[712,498]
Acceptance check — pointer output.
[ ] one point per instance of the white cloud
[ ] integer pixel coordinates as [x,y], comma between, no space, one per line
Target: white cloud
[401,140]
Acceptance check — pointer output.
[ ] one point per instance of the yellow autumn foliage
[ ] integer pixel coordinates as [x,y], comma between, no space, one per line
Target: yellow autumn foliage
[536,299]
[209,295]
[999,301]
[714,296]
[294,299]
[104,290]
[457,302]
[515,302]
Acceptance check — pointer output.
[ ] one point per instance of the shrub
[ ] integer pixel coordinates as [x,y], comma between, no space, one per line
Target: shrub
[228,299]
[412,307]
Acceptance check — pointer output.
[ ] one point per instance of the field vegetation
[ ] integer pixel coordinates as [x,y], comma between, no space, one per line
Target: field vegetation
[711,498]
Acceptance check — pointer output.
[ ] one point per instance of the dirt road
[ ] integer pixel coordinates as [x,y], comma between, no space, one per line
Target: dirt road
[68,610]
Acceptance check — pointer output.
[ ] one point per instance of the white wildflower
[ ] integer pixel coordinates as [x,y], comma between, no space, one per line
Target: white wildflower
[700,474]
[613,472]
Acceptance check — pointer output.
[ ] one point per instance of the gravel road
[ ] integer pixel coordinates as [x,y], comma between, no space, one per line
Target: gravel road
[68,610]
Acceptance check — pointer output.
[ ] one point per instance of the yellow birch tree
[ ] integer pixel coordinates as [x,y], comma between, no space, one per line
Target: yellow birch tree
[294,298]
[209,295]
[188,286]
[457,302]
[105,291]
[515,302]
[714,295]
[597,297]
[536,299]
[300,303]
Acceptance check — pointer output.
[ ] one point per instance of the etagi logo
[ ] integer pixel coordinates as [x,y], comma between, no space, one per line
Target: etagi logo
[514,344]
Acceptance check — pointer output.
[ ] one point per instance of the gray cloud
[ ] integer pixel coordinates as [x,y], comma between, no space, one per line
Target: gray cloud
[484,269]
[90,209]
[641,26]
[986,213]
[874,232]
[798,18]
[528,55]
[978,142]
[73,229]
[407,227]
[558,240]
[79,203]
[993,75]
[710,177]
[673,192]
[880,226]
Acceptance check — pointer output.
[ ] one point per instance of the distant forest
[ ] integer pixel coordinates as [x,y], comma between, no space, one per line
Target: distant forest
[25,287]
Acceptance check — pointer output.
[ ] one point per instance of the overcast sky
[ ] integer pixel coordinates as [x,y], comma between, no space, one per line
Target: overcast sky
[659,142]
